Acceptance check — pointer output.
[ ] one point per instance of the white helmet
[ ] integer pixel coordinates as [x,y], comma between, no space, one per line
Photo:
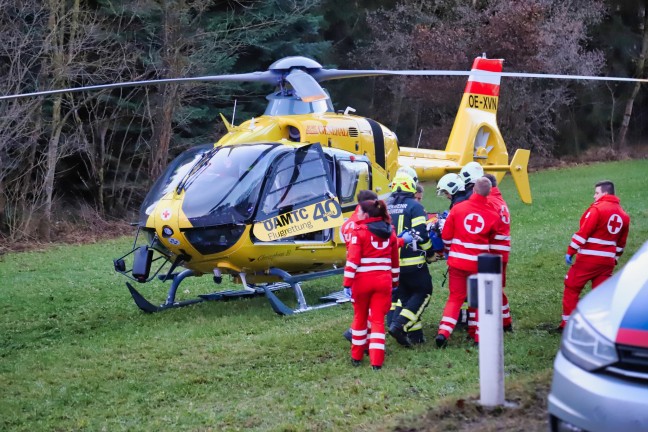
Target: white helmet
[408,171]
[450,183]
[471,172]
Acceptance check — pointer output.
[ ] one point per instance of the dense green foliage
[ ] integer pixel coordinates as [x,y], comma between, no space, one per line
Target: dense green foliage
[76,354]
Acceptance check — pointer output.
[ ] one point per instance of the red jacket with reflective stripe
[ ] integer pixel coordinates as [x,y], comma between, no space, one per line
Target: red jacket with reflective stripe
[502,243]
[367,252]
[469,231]
[349,225]
[603,232]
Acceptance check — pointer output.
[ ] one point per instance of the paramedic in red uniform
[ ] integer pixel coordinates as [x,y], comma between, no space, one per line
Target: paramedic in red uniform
[371,272]
[470,230]
[348,226]
[502,244]
[599,242]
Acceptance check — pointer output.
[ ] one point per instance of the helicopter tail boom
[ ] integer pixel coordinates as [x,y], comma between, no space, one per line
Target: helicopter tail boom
[475,135]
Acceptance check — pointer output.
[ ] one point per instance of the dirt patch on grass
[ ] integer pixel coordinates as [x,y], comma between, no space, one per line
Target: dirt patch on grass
[526,410]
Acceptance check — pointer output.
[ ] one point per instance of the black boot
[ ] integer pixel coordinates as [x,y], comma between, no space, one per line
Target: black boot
[416,337]
[399,334]
[347,335]
[441,341]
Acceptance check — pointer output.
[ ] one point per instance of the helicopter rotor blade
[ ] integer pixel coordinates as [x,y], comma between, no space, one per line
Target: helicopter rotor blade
[332,74]
[269,77]
[304,75]
[306,87]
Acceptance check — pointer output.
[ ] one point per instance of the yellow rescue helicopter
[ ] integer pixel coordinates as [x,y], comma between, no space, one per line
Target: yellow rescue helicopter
[264,203]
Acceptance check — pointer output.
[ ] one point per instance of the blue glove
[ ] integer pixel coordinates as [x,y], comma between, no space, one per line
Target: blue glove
[405,235]
[347,292]
[569,259]
[437,242]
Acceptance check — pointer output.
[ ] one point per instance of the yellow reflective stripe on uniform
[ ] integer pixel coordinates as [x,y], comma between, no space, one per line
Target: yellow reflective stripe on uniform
[425,246]
[408,314]
[418,221]
[412,261]
[417,316]
[400,224]
[417,326]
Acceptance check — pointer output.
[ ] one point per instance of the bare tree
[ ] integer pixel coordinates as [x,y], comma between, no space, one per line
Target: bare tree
[533,36]
[639,71]
[47,45]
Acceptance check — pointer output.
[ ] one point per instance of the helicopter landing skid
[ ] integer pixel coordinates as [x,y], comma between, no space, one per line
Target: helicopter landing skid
[280,308]
[177,278]
[251,291]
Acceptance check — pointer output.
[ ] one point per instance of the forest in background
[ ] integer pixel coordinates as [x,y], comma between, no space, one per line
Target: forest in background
[92,155]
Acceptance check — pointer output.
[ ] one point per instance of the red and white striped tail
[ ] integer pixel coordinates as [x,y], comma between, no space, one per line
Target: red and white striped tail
[485,84]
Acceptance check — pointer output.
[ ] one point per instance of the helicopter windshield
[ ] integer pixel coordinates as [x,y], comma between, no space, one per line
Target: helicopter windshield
[175,172]
[279,104]
[297,178]
[225,189]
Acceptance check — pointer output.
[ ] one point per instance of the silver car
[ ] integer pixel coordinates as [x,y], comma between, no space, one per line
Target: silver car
[600,380]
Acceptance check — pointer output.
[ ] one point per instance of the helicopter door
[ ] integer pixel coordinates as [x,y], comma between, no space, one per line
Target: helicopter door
[298,202]
[354,175]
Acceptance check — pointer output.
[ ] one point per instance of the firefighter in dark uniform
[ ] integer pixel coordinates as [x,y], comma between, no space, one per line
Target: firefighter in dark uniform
[415,286]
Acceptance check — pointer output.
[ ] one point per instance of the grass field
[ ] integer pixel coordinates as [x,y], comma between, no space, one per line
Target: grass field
[77,354]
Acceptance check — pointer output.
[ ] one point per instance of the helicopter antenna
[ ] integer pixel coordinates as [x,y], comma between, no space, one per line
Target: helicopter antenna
[419,140]
[234,112]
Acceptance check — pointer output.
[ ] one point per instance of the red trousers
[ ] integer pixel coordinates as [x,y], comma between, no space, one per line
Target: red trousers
[457,285]
[370,291]
[578,275]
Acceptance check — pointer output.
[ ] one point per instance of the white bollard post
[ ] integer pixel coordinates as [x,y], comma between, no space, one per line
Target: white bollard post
[491,333]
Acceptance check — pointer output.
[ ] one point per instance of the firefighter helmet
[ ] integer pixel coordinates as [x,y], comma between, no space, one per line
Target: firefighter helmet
[471,172]
[403,183]
[408,171]
[451,183]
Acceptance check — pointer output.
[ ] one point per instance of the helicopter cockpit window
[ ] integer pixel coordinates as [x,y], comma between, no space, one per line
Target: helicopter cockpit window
[279,104]
[353,177]
[225,188]
[299,178]
[174,173]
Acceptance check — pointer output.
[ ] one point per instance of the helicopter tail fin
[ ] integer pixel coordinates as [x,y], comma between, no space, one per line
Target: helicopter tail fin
[475,134]
[518,169]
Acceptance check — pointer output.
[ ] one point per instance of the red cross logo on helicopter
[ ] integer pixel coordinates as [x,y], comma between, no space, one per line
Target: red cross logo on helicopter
[166,214]
[474,223]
